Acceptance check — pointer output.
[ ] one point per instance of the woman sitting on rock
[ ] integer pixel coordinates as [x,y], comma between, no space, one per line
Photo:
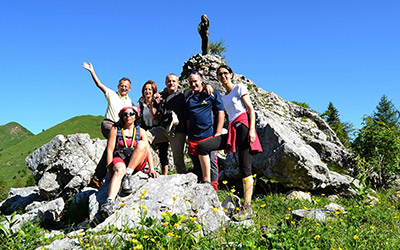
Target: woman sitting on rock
[128,151]
[241,137]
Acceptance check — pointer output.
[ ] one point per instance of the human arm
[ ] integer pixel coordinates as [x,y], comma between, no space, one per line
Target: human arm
[220,122]
[143,137]
[209,89]
[96,80]
[110,148]
[252,117]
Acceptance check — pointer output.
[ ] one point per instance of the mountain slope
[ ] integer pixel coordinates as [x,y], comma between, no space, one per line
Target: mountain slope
[13,170]
[12,133]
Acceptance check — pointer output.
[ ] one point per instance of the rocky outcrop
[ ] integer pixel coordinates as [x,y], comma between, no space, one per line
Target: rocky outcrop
[299,146]
[175,194]
[64,166]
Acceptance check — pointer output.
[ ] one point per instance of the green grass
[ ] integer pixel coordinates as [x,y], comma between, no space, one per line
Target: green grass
[15,173]
[365,226]
[12,133]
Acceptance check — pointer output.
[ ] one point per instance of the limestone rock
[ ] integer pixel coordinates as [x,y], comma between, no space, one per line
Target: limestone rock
[299,195]
[298,145]
[179,194]
[37,211]
[64,166]
[19,198]
[320,214]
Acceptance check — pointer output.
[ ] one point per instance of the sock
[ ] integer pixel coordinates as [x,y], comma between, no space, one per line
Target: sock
[129,171]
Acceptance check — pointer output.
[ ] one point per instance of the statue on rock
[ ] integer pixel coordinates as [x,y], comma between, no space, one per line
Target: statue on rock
[203,31]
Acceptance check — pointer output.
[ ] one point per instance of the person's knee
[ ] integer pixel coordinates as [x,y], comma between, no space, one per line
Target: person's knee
[142,146]
[119,170]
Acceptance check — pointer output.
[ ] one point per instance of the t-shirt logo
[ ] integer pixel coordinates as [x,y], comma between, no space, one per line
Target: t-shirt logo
[203,103]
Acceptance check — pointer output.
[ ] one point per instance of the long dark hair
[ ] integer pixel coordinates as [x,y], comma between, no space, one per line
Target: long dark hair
[227,68]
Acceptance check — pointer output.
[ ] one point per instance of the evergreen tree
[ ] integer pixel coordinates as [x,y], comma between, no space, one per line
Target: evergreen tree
[331,115]
[342,130]
[386,112]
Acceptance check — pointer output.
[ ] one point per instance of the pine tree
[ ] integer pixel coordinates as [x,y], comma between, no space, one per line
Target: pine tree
[386,112]
[342,130]
[331,115]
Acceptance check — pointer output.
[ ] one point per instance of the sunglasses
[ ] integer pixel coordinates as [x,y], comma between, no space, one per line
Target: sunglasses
[128,114]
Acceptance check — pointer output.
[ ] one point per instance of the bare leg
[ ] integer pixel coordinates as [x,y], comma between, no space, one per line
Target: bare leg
[139,155]
[165,170]
[205,166]
[116,180]
[248,189]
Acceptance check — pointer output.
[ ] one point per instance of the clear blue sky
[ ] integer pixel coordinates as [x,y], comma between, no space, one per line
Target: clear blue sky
[346,52]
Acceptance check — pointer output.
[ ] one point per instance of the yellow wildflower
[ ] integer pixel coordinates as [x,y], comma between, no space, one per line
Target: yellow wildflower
[287,217]
[233,190]
[153,240]
[171,234]
[254,175]
[323,194]
[355,237]
[316,237]
[169,213]
[133,208]
[224,182]
[141,197]
[166,223]
[293,222]
[143,207]
[134,241]
[246,179]
[224,210]
[262,205]
[122,204]
[289,208]
[193,218]
[145,237]
[174,198]
[143,192]
[215,209]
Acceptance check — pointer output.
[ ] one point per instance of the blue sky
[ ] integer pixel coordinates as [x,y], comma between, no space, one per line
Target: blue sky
[346,52]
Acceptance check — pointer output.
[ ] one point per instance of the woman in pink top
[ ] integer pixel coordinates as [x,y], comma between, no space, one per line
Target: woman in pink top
[128,151]
[241,137]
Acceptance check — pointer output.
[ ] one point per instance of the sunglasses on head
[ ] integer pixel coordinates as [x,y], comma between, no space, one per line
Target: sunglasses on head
[129,114]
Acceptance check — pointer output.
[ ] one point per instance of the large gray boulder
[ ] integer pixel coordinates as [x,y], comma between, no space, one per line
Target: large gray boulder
[64,166]
[298,145]
[179,194]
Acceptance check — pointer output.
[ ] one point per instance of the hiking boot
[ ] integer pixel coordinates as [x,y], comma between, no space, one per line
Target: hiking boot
[107,208]
[126,186]
[244,213]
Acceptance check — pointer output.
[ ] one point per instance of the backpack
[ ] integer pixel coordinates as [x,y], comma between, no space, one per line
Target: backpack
[126,152]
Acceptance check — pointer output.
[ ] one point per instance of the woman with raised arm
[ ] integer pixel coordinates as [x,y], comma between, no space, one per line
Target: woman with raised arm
[149,119]
[128,151]
[241,138]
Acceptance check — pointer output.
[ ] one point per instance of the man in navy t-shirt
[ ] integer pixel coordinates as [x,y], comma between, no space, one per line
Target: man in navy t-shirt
[203,111]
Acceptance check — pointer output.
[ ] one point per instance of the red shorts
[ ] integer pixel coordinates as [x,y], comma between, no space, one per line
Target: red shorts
[119,159]
[193,145]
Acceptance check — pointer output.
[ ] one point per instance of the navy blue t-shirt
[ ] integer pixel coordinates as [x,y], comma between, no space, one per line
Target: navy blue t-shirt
[200,111]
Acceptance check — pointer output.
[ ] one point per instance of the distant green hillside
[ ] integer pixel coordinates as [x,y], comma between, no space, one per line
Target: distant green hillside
[13,169]
[12,133]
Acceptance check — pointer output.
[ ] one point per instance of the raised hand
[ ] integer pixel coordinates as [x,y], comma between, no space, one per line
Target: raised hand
[88,66]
